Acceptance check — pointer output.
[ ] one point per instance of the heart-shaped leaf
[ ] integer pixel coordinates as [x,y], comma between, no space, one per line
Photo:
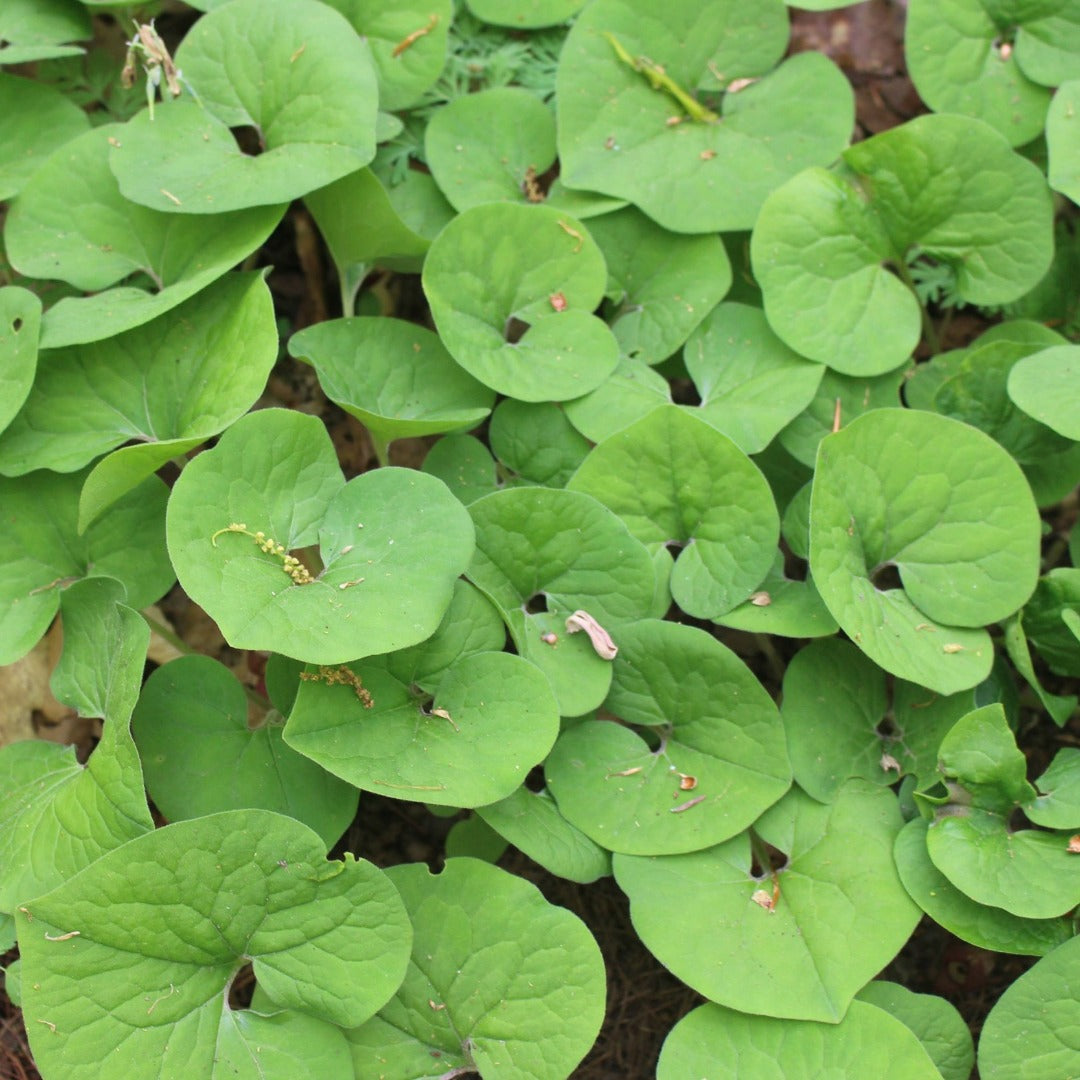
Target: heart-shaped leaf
[983,926]
[169,385]
[944,506]
[676,480]
[492,719]
[835,914]
[200,756]
[1058,803]
[971,839]
[131,960]
[42,551]
[395,377]
[525,14]
[630,393]
[465,465]
[498,266]
[34,120]
[941,187]
[391,542]
[491,146]
[57,816]
[783,606]
[630,126]
[959,63]
[295,71]
[867,1041]
[660,285]
[750,383]
[501,982]
[20,322]
[71,222]
[717,760]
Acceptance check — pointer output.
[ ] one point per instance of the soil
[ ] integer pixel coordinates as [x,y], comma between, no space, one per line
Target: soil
[644,1000]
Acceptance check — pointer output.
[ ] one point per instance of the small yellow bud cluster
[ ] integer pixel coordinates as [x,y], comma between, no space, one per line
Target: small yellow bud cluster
[290,563]
[340,676]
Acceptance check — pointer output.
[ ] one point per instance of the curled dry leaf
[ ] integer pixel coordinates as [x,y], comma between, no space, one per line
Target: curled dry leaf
[605,648]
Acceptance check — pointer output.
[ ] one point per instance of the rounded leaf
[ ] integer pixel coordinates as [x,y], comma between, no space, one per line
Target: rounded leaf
[295,71]
[498,266]
[391,543]
[946,508]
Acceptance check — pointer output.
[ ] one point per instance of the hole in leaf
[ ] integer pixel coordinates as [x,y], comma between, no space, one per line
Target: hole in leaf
[249,139]
[241,988]
[537,604]
[886,577]
[887,729]
[16,325]
[515,329]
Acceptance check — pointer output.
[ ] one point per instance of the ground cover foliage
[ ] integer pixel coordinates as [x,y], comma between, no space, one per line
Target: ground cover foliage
[730,572]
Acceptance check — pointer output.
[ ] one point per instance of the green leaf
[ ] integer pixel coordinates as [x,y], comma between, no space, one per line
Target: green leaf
[531,821]
[285,1044]
[34,120]
[395,377]
[57,816]
[501,982]
[976,393]
[1063,141]
[935,1022]
[492,719]
[1045,387]
[465,465]
[959,63]
[1058,803]
[1047,46]
[717,761]
[750,383]
[407,41]
[391,542]
[169,385]
[20,321]
[165,922]
[491,146]
[675,480]
[42,551]
[941,187]
[536,441]
[971,839]
[564,552]
[34,29]
[525,14]
[630,393]
[472,837]
[984,927]
[71,222]
[660,285]
[1057,593]
[1030,1031]
[840,916]
[1060,708]
[497,266]
[944,506]
[361,226]
[200,756]
[617,136]
[834,702]
[868,1041]
[295,71]
[783,606]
